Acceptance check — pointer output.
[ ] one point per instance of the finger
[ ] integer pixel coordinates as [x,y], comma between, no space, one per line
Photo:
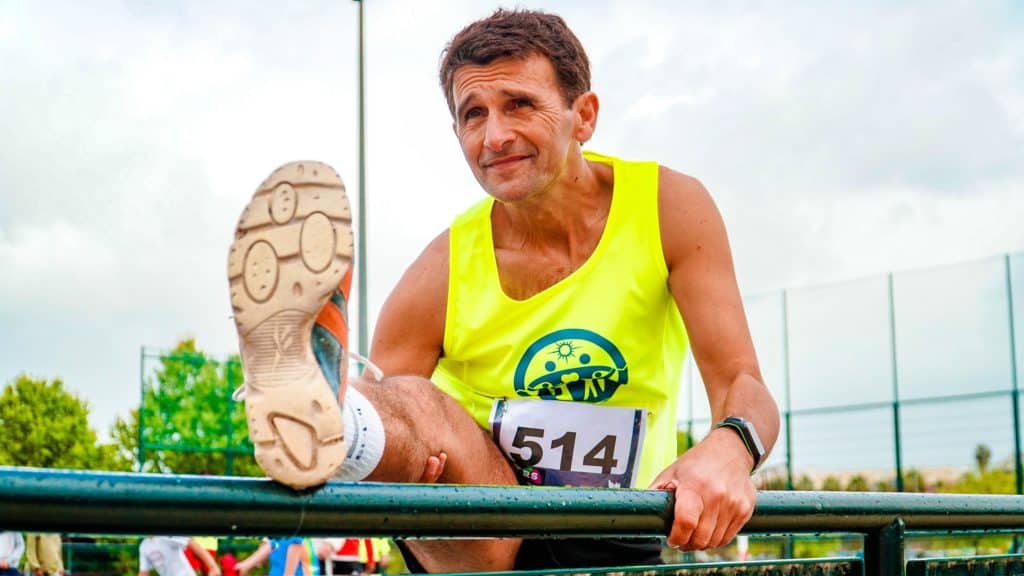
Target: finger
[731,510]
[434,468]
[688,510]
[701,536]
[744,511]
[663,482]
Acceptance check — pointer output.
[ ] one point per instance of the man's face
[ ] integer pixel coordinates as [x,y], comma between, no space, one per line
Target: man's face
[513,125]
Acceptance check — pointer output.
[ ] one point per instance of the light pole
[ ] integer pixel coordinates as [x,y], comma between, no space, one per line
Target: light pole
[361,237]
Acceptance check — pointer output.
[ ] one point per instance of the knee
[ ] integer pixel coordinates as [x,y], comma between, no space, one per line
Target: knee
[404,396]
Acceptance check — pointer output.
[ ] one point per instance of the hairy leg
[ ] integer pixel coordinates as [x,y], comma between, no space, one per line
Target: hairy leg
[420,422]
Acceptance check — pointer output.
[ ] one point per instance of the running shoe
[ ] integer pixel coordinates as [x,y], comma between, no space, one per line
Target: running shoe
[290,272]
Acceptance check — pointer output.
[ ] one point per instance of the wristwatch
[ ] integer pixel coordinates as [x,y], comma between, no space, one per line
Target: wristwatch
[748,434]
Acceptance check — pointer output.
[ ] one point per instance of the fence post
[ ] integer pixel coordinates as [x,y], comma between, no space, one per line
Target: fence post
[883,550]
[229,451]
[142,404]
[1015,394]
[788,403]
[895,389]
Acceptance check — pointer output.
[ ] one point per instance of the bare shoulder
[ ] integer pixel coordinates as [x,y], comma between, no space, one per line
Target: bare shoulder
[410,328]
[428,274]
[690,221]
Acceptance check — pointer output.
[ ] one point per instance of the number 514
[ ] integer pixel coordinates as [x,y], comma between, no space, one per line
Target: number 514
[601,455]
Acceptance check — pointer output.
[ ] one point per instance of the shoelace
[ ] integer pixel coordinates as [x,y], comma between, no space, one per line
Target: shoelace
[239,394]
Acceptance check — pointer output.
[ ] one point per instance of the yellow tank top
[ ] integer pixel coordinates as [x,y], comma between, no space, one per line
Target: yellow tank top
[609,334]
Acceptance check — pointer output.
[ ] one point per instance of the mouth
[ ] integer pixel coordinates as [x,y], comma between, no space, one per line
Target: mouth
[505,161]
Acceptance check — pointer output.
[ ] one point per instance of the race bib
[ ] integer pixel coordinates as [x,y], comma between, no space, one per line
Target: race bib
[554,443]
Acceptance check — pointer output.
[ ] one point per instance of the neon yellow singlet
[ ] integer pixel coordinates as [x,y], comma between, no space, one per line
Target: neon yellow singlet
[608,335]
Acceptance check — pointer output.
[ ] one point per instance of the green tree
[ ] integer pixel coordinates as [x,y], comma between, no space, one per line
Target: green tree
[885,485]
[982,455]
[857,483]
[804,482]
[831,484]
[189,422]
[913,481]
[683,442]
[44,425]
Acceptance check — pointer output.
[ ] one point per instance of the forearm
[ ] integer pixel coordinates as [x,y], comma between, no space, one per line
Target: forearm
[748,398]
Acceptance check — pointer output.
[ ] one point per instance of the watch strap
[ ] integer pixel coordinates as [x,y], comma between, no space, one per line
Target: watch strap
[748,435]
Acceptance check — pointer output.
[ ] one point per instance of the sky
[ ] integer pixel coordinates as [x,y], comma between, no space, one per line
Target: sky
[840,141]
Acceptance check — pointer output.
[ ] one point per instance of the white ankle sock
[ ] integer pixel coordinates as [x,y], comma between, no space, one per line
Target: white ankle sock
[364,432]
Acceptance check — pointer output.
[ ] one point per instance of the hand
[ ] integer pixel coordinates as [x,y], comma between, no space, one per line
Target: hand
[714,493]
[214,571]
[435,466]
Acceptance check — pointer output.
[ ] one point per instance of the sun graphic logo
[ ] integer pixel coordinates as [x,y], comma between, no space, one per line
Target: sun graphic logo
[571,364]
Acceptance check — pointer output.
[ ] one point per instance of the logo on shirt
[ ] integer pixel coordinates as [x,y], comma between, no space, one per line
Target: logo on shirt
[571,364]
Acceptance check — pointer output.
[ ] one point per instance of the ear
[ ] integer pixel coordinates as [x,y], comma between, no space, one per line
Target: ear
[585,109]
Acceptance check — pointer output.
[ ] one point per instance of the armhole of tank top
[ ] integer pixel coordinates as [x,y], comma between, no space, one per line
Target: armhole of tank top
[659,247]
[451,295]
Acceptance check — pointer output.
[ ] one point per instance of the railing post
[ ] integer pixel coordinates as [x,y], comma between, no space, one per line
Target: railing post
[883,550]
[229,451]
[1015,395]
[142,405]
[895,388]
[788,403]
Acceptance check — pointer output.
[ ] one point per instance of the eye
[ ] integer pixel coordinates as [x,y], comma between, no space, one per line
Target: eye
[472,113]
[521,103]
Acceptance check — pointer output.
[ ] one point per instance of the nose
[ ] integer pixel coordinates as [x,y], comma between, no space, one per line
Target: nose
[497,134]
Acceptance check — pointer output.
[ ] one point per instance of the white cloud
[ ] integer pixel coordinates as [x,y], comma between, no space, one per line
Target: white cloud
[839,142]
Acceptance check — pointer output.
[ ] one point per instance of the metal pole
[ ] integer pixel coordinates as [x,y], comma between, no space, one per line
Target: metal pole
[789,402]
[142,402]
[1015,394]
[787,543]
[895,388]
[361,263]
[33,499]
[883,550]
[229,454]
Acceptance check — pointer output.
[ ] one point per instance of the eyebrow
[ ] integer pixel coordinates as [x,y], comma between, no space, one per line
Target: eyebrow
[460,107]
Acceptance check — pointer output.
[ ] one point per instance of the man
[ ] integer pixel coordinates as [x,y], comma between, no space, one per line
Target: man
[12,546]
[166,555]
[538,339]
[43,554]
[344,556]
[288,556]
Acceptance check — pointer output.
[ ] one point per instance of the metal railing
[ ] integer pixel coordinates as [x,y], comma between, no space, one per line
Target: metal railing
[115,503]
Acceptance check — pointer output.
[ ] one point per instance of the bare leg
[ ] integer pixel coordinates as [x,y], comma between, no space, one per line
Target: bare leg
[421,421]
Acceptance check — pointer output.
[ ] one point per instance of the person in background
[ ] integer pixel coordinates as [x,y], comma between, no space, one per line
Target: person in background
[291,556]
[12,546]
[209,544]
[43,555]
[166,555]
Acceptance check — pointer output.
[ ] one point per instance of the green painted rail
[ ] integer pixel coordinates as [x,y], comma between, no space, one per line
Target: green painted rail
[111,503]
[1005,565]
[815,567]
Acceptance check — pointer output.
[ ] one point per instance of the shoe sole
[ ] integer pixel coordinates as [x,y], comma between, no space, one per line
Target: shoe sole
[293,245]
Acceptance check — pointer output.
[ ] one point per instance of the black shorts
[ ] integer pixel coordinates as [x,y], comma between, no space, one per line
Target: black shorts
[572,553]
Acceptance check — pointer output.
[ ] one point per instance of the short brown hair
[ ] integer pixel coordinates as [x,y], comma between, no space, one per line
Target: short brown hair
[518,34]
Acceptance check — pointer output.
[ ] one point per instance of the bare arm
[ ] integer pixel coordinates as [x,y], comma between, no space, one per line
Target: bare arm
[714,493]
[258,557]
[297,555]
[410,328]
[205,557]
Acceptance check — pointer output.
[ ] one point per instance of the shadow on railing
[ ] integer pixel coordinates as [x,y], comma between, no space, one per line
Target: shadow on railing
[113,503]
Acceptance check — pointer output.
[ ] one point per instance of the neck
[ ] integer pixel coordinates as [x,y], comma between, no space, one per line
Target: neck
[567,214]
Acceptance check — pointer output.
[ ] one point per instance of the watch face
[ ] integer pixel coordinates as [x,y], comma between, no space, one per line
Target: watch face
[750,438]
